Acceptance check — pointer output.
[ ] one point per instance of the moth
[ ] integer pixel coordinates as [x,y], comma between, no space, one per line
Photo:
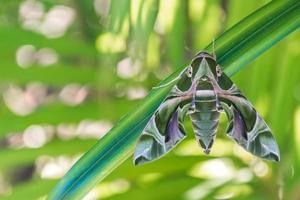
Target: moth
[202,91]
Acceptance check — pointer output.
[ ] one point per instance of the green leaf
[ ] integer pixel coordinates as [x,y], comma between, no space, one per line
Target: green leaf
[54,148]
[67,48]
[52,114]
[234,49]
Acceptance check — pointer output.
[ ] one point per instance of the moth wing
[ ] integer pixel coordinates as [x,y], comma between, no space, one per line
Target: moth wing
[164,130]
[246,126]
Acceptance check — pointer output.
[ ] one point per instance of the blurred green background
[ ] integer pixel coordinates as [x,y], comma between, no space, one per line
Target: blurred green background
[70,69]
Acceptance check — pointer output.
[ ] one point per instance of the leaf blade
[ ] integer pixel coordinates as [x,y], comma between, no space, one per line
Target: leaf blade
[89,170]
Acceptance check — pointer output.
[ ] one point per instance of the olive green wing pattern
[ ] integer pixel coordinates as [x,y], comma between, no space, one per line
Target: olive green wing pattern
[164,130]
[246,126]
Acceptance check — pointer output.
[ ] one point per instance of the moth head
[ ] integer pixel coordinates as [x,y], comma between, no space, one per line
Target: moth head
[204,67]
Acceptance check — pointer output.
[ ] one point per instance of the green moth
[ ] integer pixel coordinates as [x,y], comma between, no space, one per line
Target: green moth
[203,91]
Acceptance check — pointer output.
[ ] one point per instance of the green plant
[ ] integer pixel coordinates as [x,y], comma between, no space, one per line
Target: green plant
[234,49]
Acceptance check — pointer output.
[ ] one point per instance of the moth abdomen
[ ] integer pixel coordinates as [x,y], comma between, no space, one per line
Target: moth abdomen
[205,119]
[207,127]
[205,123]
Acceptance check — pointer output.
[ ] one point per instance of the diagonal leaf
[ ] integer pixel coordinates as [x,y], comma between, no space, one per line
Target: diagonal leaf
[235,48]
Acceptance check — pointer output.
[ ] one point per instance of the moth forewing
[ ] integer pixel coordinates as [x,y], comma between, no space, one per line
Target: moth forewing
[165,128]
[247,127]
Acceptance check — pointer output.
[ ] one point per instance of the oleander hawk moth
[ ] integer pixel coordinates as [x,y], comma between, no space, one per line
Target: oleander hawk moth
[203,91]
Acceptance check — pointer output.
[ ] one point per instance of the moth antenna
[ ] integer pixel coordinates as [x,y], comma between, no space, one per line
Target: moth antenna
[168,83]
[213,47]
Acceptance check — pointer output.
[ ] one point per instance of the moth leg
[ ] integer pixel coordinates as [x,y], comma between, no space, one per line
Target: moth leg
[180,76]
[192,107]
[219,106]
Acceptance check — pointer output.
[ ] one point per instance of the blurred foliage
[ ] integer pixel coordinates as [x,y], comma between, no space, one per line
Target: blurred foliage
[70,69]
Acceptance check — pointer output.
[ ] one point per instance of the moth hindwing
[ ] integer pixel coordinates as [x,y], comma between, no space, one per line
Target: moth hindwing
[202,91]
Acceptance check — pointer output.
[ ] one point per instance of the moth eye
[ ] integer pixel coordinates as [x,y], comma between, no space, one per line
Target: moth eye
[189,72]
[219,70]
